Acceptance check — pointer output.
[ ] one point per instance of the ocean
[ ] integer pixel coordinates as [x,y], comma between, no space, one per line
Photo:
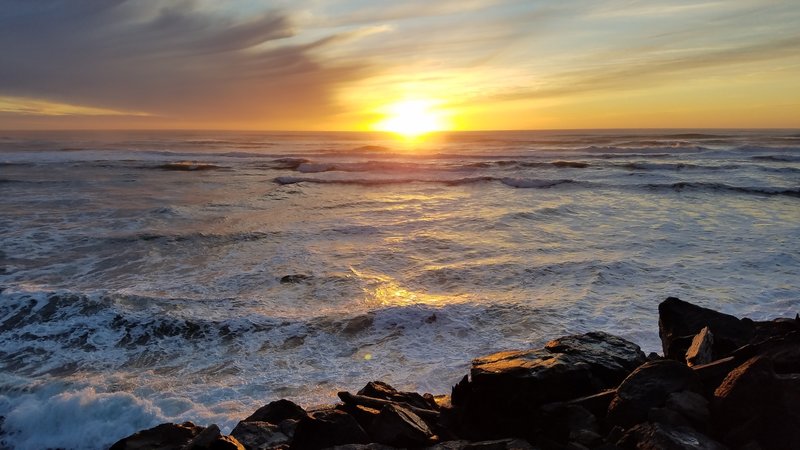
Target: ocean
[168,276]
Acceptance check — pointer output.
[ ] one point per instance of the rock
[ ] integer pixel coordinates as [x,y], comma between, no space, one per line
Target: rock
[648,387]
[364,415]
[167,436]
[610,358]
[499,444]
[371,446]
[690,405]
[564,422]
[746,401]
[700,349]
[327,428]
[259,435]
[276,412]
[656,436]
[212,439]
[399,427]
[294,278]
[680,321]
[506,388]
[381,390]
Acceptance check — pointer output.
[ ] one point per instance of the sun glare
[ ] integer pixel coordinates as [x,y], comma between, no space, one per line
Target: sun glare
[412,118]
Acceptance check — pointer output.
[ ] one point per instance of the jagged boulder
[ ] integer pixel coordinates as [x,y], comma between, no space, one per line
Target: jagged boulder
[259,435]
[649,386]
[327,428]
[656,436]
[400,427]
[276,412]
[506,388]
[167,436]
[680,321]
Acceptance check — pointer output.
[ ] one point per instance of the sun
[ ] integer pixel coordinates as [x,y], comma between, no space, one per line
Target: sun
[412,118]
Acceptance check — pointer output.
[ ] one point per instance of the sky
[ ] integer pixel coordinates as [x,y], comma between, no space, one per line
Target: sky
[344,65]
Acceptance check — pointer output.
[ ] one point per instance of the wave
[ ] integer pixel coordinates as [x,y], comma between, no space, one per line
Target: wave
[512,182]
[722,187]
[200,238]
[189,166]
[777,158]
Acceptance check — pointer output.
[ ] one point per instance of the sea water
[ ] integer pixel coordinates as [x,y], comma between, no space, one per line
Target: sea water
[168,276]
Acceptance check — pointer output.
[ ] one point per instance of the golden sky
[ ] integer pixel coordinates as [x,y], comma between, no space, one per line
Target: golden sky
[351,65]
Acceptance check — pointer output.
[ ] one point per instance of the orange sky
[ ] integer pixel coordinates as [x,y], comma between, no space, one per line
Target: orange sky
[319,65]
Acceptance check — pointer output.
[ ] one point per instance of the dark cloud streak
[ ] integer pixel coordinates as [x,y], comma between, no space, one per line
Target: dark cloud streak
[164,58]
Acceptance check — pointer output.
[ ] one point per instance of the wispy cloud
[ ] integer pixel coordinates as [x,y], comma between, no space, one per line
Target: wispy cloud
[166,58]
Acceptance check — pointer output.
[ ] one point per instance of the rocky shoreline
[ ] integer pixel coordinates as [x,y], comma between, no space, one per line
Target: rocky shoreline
[722,383]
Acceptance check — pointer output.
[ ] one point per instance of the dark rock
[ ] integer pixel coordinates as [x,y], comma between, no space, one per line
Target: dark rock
[667,416]
[700,350]
[748,406]
[276,412]
[648,387]
[507,387]
[167,436]
[596,404]
[690,405]
[364,415]
[399,427]
[259,435]
[204,439]
[656,436]
[680,321]
[288,426]
[212,439]
[358,324]
[327,428]
[564,422]
[610,358]
[371,446]
[383,391]
[294,278]
[499,444]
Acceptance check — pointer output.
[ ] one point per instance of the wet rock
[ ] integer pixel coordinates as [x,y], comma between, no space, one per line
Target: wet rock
[327,428]
[680,321]
[562,422]
[690,405]
[259,435]
[656,436]
[399,427]
[364,415]
[700,351]
[212,439]
[276,412]
[648,387]
[506,388]
[749,406]
[498,444]
[294,278]
[383,391]
[371,446]
[167,436]
[610,358]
